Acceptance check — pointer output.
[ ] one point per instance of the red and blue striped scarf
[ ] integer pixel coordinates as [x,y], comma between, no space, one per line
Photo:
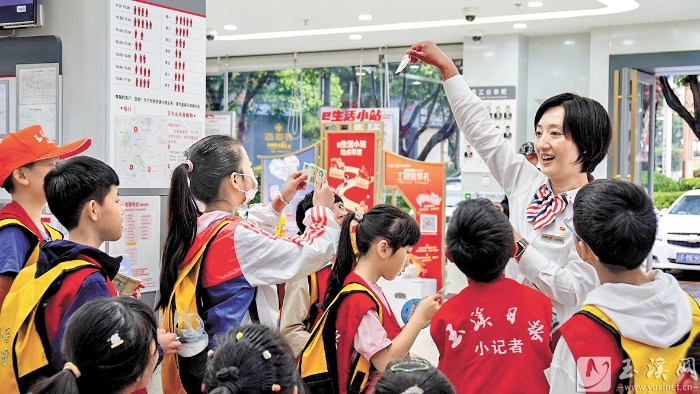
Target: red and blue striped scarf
[545,206]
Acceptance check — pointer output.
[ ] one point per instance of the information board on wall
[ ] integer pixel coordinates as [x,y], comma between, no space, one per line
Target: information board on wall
[157,94]
[500,102]
[38,97]
[140,239]
[220,123]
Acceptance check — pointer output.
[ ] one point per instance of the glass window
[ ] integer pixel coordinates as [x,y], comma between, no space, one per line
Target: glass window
[278,111]
[688,205]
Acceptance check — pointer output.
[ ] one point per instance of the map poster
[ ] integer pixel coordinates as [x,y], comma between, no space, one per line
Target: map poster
[423,186]
[350,158]
[275,170]
[157,95]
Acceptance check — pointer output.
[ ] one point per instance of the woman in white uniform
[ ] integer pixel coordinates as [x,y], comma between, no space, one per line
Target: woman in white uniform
[572,135]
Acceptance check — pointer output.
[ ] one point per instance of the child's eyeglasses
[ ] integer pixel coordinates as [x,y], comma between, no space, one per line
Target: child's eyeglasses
[410,366]
[570,225]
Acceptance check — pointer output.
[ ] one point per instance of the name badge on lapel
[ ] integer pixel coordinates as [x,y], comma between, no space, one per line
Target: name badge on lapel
[555,239]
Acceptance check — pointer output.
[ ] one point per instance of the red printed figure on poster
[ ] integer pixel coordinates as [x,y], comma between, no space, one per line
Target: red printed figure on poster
[350,160]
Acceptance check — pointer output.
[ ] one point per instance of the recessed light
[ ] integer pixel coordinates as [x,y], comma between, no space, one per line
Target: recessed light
[489,54]
[414,66]
[355,37]
[365,17]
[520,25]
[230,27]
[360,73]
[415,83]
[535,4]
[628,42]
[569,42]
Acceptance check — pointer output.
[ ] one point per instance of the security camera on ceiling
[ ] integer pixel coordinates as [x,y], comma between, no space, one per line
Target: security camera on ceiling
[470,13]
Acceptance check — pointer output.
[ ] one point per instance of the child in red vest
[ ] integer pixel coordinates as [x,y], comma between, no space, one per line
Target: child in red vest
[494,335]
[27,155]
[298,315]
[635,329]
[384,236]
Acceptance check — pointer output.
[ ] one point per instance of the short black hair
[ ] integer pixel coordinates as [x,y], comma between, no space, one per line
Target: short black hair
[9,184]
[616,219]
[479,239]
[307,203]
[586,122]
[251,359]
[73,183]
[401,375]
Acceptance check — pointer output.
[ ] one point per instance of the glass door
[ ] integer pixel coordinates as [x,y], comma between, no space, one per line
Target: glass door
[633,127]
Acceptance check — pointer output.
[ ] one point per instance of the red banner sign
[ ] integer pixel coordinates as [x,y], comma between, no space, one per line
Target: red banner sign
[351,161]
[423,186]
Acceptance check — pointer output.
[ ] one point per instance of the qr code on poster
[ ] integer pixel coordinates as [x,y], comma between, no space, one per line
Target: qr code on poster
[428,223]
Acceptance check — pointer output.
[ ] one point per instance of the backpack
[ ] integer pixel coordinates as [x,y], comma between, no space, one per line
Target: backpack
[639,362]
[318,284]
[318,361]
[184,298]
[34,252]
[22,348]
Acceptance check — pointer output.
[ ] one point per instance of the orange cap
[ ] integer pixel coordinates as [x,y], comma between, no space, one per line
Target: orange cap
[30,145]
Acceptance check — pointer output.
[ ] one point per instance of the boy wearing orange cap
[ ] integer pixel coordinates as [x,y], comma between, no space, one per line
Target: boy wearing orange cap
[25,158]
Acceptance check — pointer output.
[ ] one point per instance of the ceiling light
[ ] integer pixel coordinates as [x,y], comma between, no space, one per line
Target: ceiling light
[609,7]
[355,37]
[365,17]
[489,54]
[360,73]
[628,42]
[520,25]
[569,42]
[535,4]
[415,83]
[230,27]
[414,66]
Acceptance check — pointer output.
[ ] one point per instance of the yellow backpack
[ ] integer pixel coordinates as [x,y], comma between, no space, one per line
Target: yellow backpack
[649,367]
[184,298]
[21,348]
[34,256]
[317,363]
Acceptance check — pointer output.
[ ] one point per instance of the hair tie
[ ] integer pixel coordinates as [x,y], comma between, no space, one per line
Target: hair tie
[359,216]
[73,368]
[190,166]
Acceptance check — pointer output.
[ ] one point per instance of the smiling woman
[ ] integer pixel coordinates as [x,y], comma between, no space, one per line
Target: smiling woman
[572,135]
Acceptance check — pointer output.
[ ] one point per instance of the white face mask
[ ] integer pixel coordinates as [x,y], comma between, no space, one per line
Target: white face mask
[250,194]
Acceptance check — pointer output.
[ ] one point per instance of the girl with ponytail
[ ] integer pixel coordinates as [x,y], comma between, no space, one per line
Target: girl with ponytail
[218,270]
[384,237]
[109,347]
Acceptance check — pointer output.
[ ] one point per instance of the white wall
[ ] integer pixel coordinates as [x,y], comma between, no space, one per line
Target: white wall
[82,27]
[557,64]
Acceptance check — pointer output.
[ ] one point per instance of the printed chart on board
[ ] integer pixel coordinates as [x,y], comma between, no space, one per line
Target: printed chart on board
[157,89]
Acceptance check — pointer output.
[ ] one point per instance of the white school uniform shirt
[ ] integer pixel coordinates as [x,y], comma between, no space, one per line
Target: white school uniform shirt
[551,263]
